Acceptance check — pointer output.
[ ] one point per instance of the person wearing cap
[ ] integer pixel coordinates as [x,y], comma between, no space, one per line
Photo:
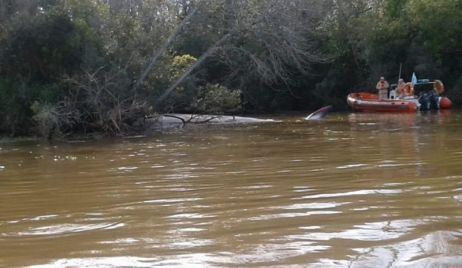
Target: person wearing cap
[382,88]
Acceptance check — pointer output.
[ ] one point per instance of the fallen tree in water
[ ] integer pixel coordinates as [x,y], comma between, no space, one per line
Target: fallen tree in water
[169,121]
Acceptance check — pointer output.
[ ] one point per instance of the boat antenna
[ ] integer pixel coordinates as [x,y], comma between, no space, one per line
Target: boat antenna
[400,68]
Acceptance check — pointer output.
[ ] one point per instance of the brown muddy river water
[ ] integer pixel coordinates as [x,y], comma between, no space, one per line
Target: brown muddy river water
[352,190]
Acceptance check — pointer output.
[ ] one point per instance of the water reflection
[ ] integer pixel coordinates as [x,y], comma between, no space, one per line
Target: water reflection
[354,190]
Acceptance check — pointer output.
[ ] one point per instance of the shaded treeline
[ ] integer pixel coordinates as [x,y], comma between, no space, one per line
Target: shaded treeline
[75,66]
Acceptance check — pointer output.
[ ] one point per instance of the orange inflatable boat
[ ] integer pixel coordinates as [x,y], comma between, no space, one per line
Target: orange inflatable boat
[368,102]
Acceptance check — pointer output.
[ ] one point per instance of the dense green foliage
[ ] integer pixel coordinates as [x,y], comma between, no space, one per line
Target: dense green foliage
[69,66]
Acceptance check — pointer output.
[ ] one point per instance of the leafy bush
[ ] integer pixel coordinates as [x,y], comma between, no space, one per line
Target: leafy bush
[180,64]
[46,118]
[217,99]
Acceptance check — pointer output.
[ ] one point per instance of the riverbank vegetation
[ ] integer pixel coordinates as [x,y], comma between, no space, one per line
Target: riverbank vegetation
[78,66]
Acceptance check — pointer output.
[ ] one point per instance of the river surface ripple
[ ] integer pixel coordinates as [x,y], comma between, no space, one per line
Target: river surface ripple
[352,190]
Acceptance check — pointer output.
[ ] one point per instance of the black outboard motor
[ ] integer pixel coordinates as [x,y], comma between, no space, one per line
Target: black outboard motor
[429,101]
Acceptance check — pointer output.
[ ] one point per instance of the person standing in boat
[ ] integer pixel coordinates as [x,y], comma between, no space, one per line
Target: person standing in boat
[382,88]
[400,88]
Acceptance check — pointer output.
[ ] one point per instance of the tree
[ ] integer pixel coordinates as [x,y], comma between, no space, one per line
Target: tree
[267,43]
